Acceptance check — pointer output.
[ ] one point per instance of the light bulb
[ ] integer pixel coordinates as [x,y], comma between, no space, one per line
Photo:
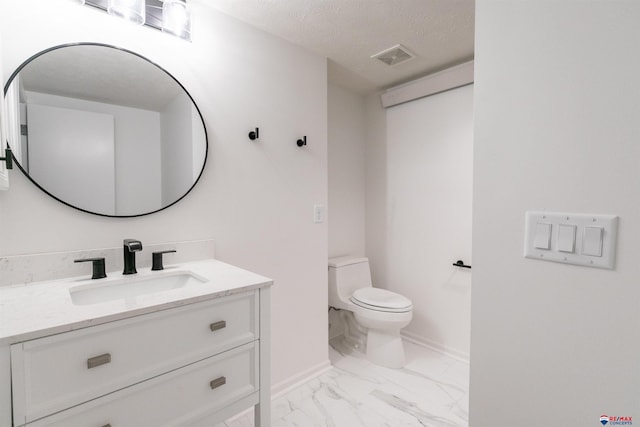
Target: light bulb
[131,10]
[176,18]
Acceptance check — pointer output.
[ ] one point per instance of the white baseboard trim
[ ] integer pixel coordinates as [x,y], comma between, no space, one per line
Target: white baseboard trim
[435,346]
[285,386]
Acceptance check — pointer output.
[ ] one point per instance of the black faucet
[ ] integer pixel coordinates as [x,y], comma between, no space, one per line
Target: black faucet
[130,247]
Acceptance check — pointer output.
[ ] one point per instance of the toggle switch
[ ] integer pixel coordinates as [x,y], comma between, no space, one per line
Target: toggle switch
[567,238]
[592,241]
[542,239]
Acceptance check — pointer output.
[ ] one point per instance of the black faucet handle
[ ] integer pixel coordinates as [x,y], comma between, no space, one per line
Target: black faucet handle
[98,267]
[157,259]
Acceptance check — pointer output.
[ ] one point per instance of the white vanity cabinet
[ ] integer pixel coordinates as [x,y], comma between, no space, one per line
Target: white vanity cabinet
[191,364]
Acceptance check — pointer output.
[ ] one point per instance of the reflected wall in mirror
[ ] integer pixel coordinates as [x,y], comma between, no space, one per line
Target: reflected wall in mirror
[104,130]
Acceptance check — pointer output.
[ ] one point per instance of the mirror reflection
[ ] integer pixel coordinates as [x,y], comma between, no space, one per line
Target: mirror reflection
[104,130]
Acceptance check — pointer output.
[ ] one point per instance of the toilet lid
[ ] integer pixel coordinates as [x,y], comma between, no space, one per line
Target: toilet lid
[381,300]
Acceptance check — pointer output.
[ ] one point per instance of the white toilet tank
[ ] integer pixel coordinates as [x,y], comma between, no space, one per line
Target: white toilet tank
[346,275]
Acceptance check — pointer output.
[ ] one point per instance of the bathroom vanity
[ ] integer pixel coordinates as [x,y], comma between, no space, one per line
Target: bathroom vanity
[186,346]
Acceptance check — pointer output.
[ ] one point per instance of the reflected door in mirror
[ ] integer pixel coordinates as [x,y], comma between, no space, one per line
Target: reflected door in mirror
[73,153]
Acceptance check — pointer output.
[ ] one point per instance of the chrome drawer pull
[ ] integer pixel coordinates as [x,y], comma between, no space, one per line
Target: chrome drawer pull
[217,382]
[218,325]
[94,362]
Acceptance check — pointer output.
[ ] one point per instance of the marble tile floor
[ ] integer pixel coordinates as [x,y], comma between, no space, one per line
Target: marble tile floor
[432,390]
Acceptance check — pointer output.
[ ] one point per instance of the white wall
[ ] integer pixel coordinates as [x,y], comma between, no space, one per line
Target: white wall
[556,127]
[137,133]
[418,215]
[177,157]
[428,220]
[346,163]
[199,146]
[376,188]
[254,198]
[4,174]
[347,180]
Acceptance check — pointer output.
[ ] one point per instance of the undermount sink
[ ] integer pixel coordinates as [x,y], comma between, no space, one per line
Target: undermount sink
[131,287]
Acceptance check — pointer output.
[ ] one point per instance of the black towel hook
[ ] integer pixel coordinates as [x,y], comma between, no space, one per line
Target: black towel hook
[460,263]
[254,134]
[302,142]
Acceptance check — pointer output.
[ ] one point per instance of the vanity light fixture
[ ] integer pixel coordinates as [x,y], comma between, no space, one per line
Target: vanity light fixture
[176,18]
[170,16]
[131,10]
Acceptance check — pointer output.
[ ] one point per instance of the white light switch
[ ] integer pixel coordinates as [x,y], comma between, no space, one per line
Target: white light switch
[567,238]
[571,238]
[592,241]
[542,239]
[318,214]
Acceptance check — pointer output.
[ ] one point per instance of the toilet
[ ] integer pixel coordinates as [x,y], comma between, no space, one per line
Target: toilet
[374,316]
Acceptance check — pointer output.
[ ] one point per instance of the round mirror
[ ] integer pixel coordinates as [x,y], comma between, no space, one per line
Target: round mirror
[104,130]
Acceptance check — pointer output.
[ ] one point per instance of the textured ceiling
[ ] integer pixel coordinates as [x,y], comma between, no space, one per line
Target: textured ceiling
[348,32]
[100,74]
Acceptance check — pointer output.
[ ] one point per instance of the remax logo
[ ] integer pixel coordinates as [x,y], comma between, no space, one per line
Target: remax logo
[615,420]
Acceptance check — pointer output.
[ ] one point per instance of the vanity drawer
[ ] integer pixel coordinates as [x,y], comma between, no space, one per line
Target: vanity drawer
[178,398]
[54,373]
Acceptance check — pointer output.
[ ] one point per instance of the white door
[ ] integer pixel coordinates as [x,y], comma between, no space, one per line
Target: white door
[72,156]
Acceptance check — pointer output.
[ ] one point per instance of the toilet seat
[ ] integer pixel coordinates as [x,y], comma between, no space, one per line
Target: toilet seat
[381,300]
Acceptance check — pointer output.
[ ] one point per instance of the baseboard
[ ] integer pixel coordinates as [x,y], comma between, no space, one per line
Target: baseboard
[284,387]
[439,347]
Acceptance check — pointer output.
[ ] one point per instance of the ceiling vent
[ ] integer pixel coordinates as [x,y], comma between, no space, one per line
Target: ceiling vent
[394,55]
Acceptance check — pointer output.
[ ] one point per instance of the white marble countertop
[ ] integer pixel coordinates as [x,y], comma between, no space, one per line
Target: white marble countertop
[46,308]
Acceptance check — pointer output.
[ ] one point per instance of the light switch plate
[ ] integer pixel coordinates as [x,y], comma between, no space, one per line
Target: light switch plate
[318,214]
[580,225]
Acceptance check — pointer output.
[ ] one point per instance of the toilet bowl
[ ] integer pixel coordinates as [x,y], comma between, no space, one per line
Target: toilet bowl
[379,312]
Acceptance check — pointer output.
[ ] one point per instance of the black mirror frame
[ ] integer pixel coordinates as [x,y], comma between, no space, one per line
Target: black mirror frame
[206,137]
